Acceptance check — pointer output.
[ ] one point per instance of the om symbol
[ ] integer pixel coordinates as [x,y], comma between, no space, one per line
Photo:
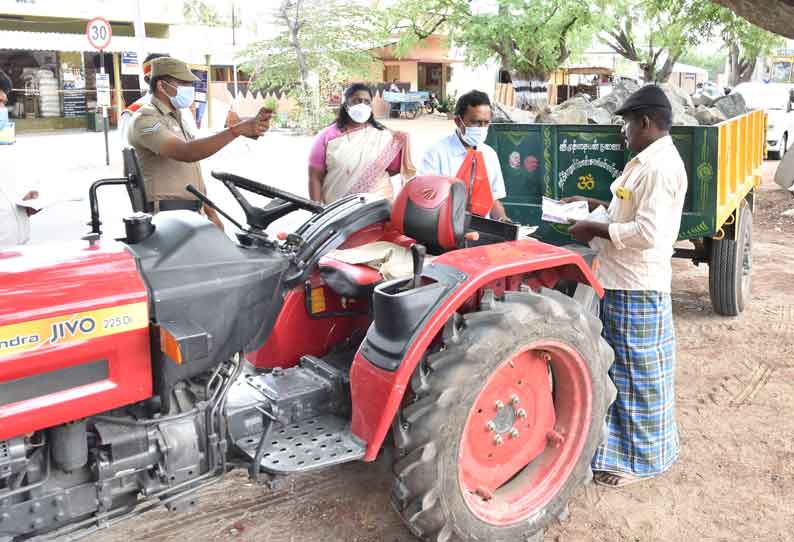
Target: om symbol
[586,182]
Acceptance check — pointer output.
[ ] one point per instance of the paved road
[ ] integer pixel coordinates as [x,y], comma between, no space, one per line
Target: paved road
[67,163]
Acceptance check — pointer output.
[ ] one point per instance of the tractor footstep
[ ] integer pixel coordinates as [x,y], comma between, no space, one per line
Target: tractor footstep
[308,445]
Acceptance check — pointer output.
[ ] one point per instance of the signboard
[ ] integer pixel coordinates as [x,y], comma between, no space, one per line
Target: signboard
[200,85]
[103,89]
[98,32]
[129,63]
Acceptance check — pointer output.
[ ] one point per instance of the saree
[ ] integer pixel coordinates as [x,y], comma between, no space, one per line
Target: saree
[357,162]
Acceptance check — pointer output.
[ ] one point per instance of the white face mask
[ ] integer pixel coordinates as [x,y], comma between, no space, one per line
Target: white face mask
[474,135]
[360,113]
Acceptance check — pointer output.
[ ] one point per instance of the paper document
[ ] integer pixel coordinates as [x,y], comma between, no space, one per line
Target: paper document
[42,202]
[599,215]
[526,231]
[602,216]
[562,213]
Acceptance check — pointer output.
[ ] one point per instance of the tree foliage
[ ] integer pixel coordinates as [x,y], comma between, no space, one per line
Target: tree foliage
[657,33]
[746,44]
[330,38]
[200,13]
[530,38]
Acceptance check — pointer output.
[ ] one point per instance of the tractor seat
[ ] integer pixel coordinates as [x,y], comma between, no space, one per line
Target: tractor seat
[347,279]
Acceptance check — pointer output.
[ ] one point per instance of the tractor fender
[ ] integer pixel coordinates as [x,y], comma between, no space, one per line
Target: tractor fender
[407,320]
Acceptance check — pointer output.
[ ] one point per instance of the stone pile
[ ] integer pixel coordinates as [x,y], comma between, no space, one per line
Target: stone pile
[687,110]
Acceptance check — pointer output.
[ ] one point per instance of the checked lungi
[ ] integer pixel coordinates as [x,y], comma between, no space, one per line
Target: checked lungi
[642,436]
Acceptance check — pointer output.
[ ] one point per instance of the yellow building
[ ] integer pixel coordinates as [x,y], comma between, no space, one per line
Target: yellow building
[427,66]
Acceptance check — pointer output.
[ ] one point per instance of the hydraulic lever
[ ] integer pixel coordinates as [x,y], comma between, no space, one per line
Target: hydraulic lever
[418,253]
[205,199]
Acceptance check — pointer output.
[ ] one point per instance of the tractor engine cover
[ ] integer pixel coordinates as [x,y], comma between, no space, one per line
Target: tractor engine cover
[74,334]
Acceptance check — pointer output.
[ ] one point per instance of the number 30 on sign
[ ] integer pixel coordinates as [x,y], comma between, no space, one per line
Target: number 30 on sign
[99,32]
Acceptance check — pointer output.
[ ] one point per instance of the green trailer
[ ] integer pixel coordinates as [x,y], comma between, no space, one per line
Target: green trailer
[723,165]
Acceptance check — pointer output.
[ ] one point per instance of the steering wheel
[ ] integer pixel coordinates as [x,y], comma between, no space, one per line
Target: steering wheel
[261,217]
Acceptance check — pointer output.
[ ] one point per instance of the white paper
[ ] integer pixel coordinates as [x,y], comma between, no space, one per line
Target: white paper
[526,231]
[600,215]
[562,213]
[38,203]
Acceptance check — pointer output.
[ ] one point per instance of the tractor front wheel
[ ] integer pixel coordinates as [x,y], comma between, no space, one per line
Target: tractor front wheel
[503,421]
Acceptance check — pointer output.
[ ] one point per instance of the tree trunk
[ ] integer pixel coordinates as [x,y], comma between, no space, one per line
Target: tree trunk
[531,89]
[733,62]
[294,25]
[747,69]
[774,15]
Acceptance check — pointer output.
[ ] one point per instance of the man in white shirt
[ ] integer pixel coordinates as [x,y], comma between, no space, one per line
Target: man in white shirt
[636,271]
[472,118]
[14,222]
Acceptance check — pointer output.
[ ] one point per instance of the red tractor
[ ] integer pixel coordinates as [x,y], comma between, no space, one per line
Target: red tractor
[135,372]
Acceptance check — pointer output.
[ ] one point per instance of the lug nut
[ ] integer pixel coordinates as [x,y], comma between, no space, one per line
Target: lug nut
[498,440]
[513,433]
[514,399]
[521,413]
[490,426]
[499,405]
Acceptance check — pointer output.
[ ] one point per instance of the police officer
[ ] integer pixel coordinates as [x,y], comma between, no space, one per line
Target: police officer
[126,115]
[168,153]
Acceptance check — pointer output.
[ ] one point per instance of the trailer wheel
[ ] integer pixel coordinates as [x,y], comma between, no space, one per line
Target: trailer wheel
[731,267]
[505,420]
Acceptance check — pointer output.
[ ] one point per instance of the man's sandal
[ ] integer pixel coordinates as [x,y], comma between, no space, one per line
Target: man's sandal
[614,479]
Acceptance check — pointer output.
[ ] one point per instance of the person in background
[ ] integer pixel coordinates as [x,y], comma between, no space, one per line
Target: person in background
[393,87]
[126,115]
[14,218]
[357,154]
[169,154]
[635,270]
[5,94]
[472,118]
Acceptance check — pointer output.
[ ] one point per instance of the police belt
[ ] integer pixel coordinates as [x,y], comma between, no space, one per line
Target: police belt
[177,205]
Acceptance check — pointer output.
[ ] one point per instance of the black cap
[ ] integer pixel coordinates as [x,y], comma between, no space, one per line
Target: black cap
[649,96]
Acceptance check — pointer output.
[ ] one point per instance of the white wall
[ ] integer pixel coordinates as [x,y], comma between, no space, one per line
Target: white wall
[466,78]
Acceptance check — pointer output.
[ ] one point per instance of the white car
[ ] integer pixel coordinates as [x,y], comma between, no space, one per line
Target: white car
[775,99]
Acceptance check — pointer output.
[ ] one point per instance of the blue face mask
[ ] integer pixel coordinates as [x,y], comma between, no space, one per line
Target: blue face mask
[475,135]
[184,96]
[3,116]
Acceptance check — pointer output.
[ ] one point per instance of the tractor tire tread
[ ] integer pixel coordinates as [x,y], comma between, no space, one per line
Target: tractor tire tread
[420,424]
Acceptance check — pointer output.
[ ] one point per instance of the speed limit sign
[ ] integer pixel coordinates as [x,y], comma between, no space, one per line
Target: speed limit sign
[99,32]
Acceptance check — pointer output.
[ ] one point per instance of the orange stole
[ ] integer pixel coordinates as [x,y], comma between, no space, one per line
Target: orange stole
[480,195]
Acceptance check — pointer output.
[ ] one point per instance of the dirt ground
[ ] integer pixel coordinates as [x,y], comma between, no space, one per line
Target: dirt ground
[734,480]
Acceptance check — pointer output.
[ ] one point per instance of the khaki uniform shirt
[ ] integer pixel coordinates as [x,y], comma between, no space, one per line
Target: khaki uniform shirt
[644,217]
[164,178]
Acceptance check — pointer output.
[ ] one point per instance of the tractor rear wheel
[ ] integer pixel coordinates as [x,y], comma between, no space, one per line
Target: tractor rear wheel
[504,421]
[731,268]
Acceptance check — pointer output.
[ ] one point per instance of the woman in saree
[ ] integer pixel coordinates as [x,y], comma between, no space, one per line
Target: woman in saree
[357,154]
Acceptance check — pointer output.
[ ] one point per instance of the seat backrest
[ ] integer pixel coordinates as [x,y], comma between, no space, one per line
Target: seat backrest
[135,186]
[432,210]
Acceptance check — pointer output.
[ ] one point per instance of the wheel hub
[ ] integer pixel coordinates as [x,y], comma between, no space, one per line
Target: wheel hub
[525,433]
[504,419]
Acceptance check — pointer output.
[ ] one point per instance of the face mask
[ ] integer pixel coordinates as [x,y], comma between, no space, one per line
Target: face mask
[3,116]
[474,135]
[184,96]
[360,113]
